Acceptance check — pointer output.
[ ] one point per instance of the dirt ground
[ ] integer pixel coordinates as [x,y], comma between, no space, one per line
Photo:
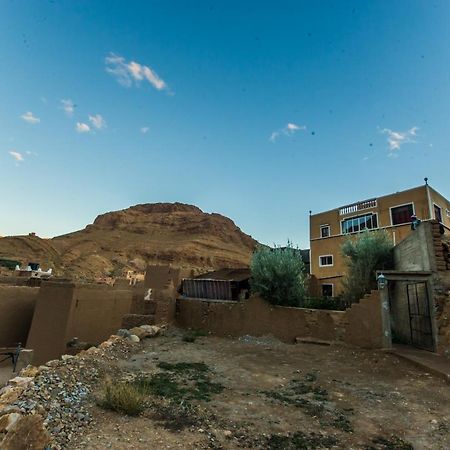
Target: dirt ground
[260,393]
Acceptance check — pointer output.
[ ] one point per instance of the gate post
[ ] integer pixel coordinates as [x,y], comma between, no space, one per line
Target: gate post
[386,337]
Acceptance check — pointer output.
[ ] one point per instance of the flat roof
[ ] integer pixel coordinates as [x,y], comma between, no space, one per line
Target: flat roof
[375,198]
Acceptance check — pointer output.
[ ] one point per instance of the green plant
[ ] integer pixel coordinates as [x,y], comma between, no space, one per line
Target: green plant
[365,254]
[122,397]
[331,303]
[278,275]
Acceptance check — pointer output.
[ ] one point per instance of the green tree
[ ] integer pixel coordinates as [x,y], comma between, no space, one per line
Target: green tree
[278,275]
[365,254]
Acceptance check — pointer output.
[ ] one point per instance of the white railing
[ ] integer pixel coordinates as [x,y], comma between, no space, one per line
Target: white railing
[359,206]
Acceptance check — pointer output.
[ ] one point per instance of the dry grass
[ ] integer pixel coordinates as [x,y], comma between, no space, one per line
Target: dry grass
[122,397]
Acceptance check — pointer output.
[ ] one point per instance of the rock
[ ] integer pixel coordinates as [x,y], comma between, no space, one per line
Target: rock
[151,330]
[134,338]
[123,333]
[146,331]
[20,381]
[8,420]
[29,371]
[28,432]
[67,357]
[53,363]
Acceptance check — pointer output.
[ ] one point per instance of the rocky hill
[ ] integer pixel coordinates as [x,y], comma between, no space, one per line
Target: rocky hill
[175,233]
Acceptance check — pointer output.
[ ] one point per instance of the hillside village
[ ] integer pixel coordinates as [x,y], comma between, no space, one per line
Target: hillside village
[155,326]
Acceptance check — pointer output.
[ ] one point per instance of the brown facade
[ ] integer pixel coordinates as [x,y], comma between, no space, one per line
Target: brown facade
[422,198]
[16,312]
[360,325]
[66,310]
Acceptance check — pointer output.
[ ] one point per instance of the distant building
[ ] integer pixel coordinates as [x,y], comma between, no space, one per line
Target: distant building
[393,213]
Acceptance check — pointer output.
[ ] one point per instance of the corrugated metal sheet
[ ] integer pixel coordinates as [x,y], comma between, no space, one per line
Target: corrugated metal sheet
[212,289]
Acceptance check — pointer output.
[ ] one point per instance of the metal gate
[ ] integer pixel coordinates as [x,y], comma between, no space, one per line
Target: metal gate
[419,316]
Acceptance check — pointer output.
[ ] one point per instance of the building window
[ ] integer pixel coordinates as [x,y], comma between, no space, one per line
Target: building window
[325,231]
[402,214]
[327,290]
[325,260]
[359,223]
[447,212]
[437,213]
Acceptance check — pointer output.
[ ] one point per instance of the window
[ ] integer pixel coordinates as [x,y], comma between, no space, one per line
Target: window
[325,260]
[447,212]
[327,290]
[437,213]
[402,214]
[324,231]
[359,223]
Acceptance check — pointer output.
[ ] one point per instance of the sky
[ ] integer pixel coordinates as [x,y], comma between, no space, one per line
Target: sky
[260,111]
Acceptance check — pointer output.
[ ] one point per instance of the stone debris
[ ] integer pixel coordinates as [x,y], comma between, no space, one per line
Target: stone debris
[46,405]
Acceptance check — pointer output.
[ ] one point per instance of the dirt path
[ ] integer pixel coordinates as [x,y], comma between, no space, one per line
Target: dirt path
[265,394]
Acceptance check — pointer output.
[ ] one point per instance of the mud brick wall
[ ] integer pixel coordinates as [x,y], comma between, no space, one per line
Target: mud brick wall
[66,310]
[16,312]
[359,326]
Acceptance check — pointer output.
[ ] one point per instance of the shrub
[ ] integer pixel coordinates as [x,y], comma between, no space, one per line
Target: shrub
[278,275]
[368,252]
[331,303]
[122,397]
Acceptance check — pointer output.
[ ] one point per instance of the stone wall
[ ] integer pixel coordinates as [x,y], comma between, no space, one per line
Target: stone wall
[423,250]
[16,312]
[360,325]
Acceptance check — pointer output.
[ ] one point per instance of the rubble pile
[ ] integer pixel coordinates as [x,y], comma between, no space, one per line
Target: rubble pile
[46,406]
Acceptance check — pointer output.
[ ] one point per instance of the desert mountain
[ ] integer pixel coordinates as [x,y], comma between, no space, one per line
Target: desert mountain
[175,233]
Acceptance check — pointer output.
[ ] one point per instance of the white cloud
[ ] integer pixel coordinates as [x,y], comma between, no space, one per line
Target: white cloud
[396,139]
[145,130]
[97,121]
[82,127]
[288,130]
[17,156]
[129,73]
[30,118]
[68,106]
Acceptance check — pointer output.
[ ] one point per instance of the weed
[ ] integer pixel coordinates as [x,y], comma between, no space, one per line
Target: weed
[123,398]
[313,400]
[299,441]
[392,443]
[192,369]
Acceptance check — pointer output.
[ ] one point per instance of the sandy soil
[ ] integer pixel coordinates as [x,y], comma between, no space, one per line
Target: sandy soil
[331,396]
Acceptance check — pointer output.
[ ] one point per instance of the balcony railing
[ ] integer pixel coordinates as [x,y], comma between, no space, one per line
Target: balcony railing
[359,206]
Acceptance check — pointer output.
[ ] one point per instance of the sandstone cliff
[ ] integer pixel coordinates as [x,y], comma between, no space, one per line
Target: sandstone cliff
[173,233]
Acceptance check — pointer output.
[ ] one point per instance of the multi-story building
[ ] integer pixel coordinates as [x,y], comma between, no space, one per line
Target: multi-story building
[392,212]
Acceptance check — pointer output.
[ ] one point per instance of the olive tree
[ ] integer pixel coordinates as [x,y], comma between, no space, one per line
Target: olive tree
[278,275]
[364,255]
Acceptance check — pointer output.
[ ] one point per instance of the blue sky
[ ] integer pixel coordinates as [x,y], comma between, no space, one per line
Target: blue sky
[260,111]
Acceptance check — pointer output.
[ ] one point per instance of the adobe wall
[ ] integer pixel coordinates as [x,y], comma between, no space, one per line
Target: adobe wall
[48,329]
[97,312]
[65,310]
[360,325]
[16,312]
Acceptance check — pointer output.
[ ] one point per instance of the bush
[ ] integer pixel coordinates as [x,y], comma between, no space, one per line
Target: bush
[331,303]
[122,397]
[368,252]
[278,275]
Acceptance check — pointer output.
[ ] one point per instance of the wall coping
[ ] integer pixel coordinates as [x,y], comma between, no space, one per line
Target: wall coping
[233,302]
